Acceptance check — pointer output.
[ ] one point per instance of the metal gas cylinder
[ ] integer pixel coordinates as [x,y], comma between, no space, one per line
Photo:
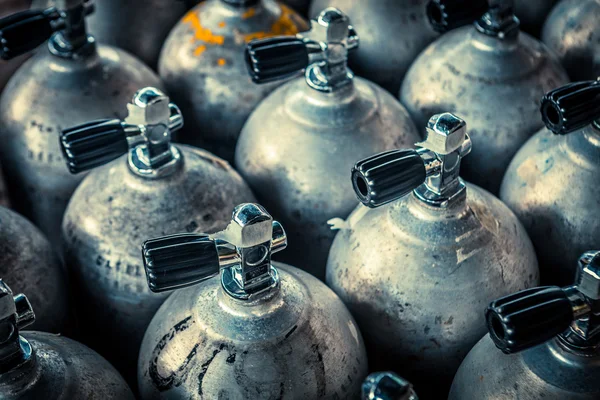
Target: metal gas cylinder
[532,14]
[256,330]
[29,264]
[393,34]
[552,183]
[37,365]
[387,386]
[138,26]
[7,68]
[330,120]
[155,189]
[416,268]
[551,340]
[202,65]
[67,83]
[571,30]
[490,73]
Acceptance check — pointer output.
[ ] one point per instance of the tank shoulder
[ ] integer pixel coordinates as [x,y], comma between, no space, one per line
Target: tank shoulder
[68,368]
[204,191]
[226,338]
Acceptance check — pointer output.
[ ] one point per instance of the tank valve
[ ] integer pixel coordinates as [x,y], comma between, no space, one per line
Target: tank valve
[15,314]
[64,25]
[145,134]
[571,107]
[432,171]
[241,253]
[322,52]
[387,386]
[533,316]
[492,17]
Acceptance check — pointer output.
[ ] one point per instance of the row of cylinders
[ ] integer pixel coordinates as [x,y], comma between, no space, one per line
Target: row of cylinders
[431,171]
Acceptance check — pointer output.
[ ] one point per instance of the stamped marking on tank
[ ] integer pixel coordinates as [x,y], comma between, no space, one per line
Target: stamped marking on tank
[177,377]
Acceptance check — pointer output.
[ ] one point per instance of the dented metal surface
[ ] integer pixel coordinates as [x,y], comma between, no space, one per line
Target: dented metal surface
[47,94]
[571,31]
[552,186]
[112,212]
[302,343]
[202,65]
[29,265]
[493,83]
[394,32]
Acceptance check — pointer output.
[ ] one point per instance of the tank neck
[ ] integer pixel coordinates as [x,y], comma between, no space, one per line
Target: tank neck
[24,370]
[499,21]
[72,41]
[329,77]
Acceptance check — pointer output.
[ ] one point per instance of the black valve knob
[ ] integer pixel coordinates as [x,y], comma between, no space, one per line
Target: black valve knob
[92,144]
[528,318]
[180,260]
[445,15]
[276,58]
[24,31]
[387,176]
[571,107]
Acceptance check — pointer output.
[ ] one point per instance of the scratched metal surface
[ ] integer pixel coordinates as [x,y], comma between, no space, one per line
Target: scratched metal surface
[417,280]
[301,344]
[46,95]
[112,213]
[552,185]
[495,85]
[203,67]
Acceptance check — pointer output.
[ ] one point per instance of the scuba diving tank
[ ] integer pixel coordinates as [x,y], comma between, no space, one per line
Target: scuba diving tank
[572,31]
[28,263]
[38,365]
[550,337]
[8,67]
[254,330]
[532,14]
[416,266]
[393,33]
[387,386]
[152,188]
[66,83]
[202,65]
[138,26]
[298,145]
[491,74]
[552,184]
